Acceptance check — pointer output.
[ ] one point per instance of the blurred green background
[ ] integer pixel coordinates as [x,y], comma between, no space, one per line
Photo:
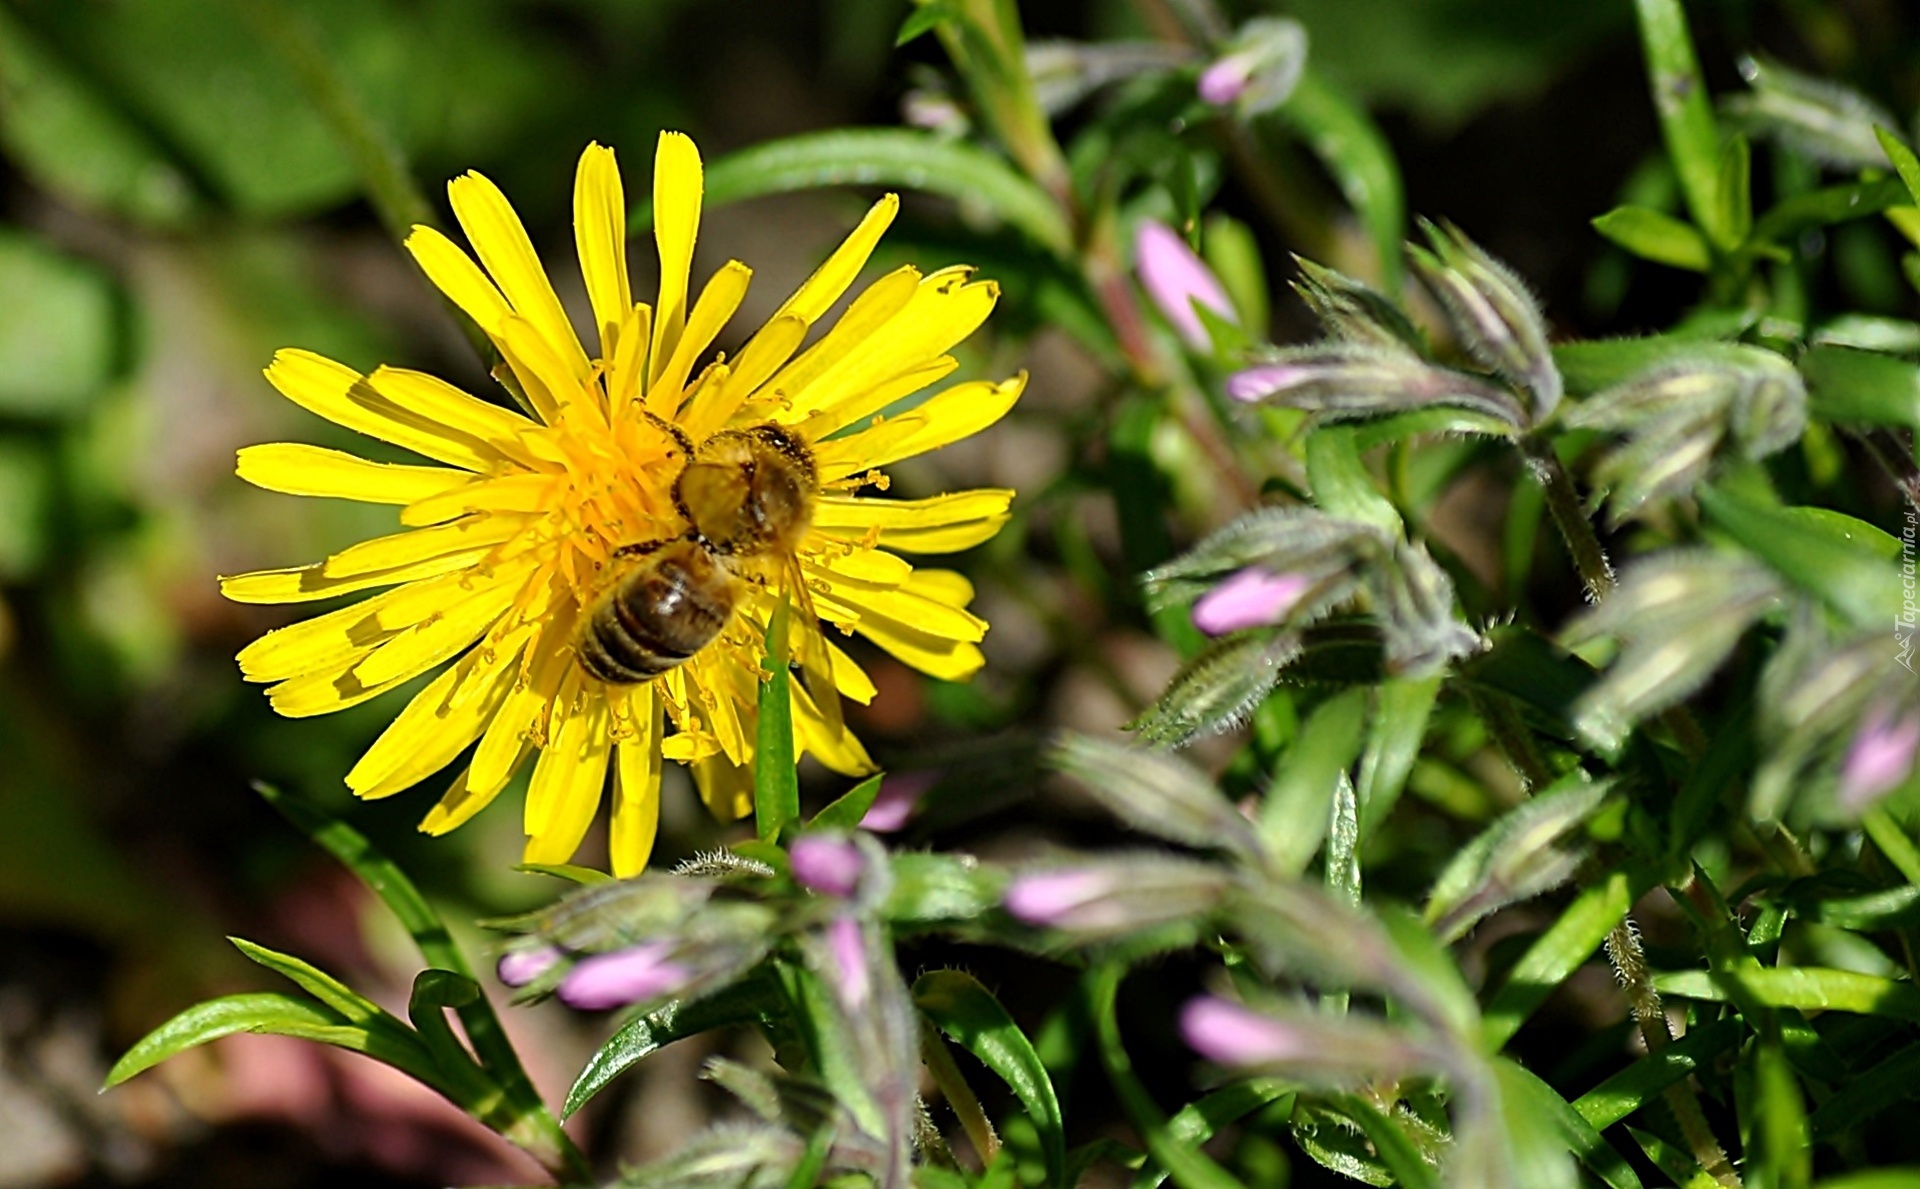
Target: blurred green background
[173,208]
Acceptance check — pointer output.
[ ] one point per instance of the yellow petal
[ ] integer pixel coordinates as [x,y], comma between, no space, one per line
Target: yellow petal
[503,247]
[960,411]
[464,799]
[505,742]
[442,635]
[435,727]
[454,273]
[323,693]
[626,374]
[304,584]
[840,752]
[949,660]
[831,279]
[772,345]
[943,586]
[822,423]
[722,295]
[343,396]
[423,545]
[945,308]
[868,565]
[676,224]
[925,607]
[877,304]
[726,788]
[489,430]
[636,806]
[600,233]
[298,469]
[567,783]
[550,385]
[851,680]
[942,524]
[333,640]
[525,494]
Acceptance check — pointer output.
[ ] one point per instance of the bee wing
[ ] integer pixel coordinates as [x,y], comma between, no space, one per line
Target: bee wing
[816,659]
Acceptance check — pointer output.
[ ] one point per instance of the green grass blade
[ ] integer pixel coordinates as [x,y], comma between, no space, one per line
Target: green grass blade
[1560,951]
[1807,988]
[900,157]
[1643,1081]
[962,1008]
[776,786]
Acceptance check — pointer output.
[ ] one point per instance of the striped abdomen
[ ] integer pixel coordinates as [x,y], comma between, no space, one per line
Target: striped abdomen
[672,604]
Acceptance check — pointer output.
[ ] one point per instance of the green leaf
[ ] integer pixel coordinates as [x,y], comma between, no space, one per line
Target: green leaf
[1673,1161]
[1189,1167]
[1558,952]
[1294,816]
[1402,708]
[1437,420]
[1845,384]
[1904,162]
[1826,207]
[433,992]
[1807,988]
[1591,366]
[1545,1129]
[1686,114]
[885,157]
[1784,1153]
[972,1018]
[1341,484]
[1234,255]
[1736,188]
[930,890]
[743,1002]
[1661,238]
[776,784]
[1195,1123]
[535,1128]
[274,1014]
[925,18]
[816,1015]
[850,809]
[585,877]
[1905,1177]
[1643,1081]
[58,339]
[1390,1142]
[354,1007]
[1869,1094]
[1347,141]
[1893,843]
[1836,565]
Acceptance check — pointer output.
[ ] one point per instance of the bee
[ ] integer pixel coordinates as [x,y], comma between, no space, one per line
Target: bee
[747,497]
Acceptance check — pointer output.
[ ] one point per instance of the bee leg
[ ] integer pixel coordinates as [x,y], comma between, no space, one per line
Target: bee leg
[638,548]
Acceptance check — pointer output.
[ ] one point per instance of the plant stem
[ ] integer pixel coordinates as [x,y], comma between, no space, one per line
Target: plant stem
[1630,967]
[959,1095]
[1563,504]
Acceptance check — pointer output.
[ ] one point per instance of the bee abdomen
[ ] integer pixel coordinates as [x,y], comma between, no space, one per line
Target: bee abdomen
[658,617]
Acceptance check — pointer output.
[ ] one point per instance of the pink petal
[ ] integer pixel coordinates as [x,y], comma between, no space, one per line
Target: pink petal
[1251,598]
[1175,279]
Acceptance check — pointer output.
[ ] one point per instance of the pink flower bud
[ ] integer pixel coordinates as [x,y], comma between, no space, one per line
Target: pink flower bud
[899,797]
[1880,758]
[1226,80]
[520,967]
[1055,898]
[1176,279]
[622,977]
[830,866]
[849,951]
[1228,1034]
[1251,598]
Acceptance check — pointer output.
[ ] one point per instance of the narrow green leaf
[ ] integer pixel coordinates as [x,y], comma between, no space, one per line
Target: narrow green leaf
[1189,1167]
[742,1002]
[270,1012]
[924,19]
[586,877]
[1652,235]
[1195,1123]
[1401,710]
[816,1015]
[1888,1084]
[1826,207]
[847,811]
[1347,141]
[1806,550]
[1560,951]
[972,1018]
[1686,114]
[1905,1177]
[433,992]
[1341,485]
[1672,1161]
[1390,1142]
[1893,908]
[1293,819]
[1783,1149]
[1436,420]
[1807,988]
[1846,384]
[885,157]
[1736,188]
[1643,1081]
[1894,843]
[1904,162]
[354,1007]
[1545,1128]
[776,785]
[1591,366]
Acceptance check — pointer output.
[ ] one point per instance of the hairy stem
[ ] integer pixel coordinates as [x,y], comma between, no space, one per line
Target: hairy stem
[1563,504]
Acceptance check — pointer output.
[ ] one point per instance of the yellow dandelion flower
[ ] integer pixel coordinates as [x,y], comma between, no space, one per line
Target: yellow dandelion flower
[533,534]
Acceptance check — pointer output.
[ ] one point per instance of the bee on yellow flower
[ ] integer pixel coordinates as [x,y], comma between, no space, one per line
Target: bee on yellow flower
[601,574]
